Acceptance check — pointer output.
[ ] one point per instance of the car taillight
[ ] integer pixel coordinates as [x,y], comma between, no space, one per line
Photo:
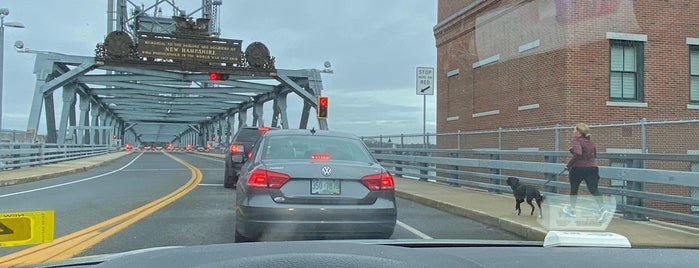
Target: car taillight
[236,148]
[263,128]
[381,181]
[320,156]
[260,178]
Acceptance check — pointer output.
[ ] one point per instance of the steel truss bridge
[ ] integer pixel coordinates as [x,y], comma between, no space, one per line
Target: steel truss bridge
[105,104]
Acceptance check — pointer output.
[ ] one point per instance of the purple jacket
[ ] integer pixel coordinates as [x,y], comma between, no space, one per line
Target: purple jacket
[584,153]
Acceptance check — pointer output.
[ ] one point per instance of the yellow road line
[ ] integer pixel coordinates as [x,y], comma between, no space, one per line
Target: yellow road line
[72,244]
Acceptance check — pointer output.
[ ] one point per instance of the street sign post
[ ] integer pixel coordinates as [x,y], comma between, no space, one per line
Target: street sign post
[424,85]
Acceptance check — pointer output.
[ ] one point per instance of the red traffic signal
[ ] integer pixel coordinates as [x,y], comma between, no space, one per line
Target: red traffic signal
[217,76]
[322,107]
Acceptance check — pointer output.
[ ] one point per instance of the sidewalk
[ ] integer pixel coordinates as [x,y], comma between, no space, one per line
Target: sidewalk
[28,174]
[498,210]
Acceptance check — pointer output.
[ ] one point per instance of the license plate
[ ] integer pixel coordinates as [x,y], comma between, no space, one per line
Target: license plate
[325,187]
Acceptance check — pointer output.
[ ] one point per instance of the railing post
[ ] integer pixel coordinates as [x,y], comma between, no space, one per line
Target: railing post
[41,153]
[550,177]
[456,168]
[423,165]
[499,138]
[494,171]
[557,138]
[635,185]
[458,139]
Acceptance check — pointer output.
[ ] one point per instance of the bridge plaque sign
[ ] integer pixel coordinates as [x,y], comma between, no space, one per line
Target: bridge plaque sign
[188,48]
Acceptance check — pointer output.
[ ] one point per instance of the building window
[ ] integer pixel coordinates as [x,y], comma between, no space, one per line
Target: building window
[694,74]
[626,70]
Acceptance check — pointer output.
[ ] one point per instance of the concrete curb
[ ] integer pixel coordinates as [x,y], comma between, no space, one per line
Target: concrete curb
[528,232]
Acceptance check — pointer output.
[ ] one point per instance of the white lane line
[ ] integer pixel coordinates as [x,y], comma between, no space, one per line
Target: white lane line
[413,230]
[210,184]
[72,182]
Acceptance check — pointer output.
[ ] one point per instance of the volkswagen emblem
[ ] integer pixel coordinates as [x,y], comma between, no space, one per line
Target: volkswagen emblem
[326,171]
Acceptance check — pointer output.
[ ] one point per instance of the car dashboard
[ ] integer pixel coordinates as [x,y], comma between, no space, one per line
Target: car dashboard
[390,254]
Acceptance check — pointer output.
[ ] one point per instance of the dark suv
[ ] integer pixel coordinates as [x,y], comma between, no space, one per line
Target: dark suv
[240,147]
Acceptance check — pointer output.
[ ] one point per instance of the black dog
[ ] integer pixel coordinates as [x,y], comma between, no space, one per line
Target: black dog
[527,192]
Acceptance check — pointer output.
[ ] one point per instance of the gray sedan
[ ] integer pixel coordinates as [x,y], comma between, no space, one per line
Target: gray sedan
[307,184]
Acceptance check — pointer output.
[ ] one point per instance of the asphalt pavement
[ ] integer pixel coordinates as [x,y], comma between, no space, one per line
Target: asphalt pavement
[489,208]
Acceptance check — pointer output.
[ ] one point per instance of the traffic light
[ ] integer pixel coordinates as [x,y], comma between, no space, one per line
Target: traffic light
[322,107]
[218,76]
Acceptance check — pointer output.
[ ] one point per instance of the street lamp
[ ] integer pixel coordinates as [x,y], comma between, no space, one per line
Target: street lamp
[4,12]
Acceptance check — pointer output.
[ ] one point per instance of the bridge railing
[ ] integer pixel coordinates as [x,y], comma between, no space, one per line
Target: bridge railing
[17,155]
[488,169]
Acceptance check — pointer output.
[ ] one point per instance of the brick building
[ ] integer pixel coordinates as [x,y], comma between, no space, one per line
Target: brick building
[537,63]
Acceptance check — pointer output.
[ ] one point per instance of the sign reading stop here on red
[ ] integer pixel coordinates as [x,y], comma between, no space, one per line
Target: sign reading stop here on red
[26,227]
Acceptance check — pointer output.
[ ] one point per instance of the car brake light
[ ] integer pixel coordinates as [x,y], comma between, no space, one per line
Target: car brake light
[320,156]
[236,148]
[263,128]
[260,178]
[381,181]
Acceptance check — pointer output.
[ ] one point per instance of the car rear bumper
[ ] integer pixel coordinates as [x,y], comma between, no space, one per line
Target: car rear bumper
[350,222]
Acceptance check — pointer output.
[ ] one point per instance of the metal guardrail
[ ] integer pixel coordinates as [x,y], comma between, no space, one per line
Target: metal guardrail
[17,155]
[485,169]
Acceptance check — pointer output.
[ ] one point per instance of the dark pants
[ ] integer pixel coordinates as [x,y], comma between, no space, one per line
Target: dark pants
[591,177]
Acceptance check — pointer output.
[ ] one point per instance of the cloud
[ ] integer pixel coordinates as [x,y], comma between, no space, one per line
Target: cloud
[374,48]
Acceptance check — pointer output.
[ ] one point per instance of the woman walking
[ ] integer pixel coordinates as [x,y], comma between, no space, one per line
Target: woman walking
[583,167]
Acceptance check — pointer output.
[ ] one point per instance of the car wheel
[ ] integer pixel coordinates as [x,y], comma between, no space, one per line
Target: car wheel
[230,180]
[228,177]
[239,238]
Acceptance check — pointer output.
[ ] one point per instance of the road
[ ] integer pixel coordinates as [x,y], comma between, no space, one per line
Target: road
[150,199]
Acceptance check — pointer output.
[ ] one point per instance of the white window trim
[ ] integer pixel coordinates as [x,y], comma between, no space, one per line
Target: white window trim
[485,61]
[493,112]
[452,118]
[528,46]
[627,36]
[452,72]
[528,107]
[693,106]
[692,41]
[627,104]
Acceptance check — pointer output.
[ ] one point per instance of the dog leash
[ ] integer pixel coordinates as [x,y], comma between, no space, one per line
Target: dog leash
[559,173]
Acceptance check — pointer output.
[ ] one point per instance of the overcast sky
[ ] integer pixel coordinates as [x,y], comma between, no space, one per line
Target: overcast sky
[374,47]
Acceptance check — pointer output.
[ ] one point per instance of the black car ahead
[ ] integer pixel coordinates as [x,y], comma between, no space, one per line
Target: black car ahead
[240,147]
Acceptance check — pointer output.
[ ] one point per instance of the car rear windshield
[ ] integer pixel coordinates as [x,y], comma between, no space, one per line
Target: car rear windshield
[315,147]
[248,135]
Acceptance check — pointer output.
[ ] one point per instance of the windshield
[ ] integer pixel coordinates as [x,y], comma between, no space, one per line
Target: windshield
[484,120]
[315,148]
